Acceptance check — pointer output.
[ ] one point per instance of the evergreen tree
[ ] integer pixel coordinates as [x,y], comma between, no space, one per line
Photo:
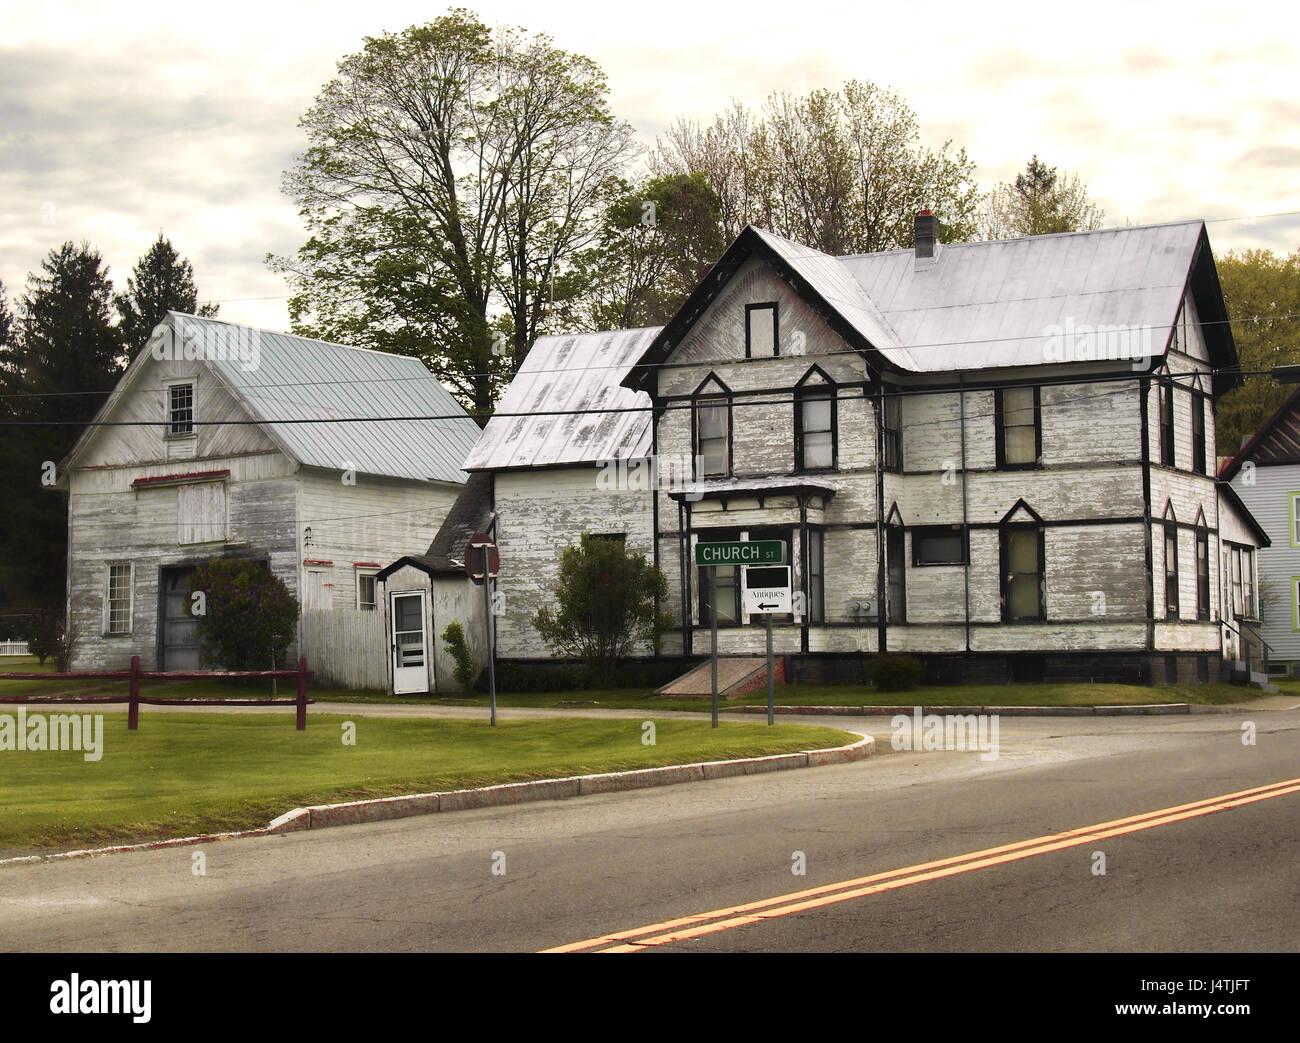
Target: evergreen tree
[162,281]
[64,357]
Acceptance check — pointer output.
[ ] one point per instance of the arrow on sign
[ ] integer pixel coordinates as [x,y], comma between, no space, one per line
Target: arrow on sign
[769,606]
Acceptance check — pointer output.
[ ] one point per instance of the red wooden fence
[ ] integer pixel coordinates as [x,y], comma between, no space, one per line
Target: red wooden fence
[135,675]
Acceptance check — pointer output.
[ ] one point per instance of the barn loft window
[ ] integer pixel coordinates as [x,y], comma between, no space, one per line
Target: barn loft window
[1198,434]
[1019,436]
[117,599]
[712,436]
[201,512]
[1171,572]
[892,433]
[814,428]
[1167,425]
[180,409]
[939,545]
[1022,573]
[1202,574]
[761,339]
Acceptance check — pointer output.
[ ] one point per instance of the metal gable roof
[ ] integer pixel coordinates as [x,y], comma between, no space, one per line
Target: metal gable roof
[993,304]
[578,375]
[299,379]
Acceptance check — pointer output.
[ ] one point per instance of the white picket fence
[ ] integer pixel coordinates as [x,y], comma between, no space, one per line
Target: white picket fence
[346,648]
[13,648]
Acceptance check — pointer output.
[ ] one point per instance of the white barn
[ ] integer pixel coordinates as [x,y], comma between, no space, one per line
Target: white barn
[222,441]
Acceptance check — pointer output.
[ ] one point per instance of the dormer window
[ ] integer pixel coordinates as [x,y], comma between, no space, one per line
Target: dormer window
[761,339]
[180,409]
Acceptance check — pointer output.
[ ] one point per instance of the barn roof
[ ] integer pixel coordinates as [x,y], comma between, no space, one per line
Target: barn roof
[566,405]
[298,380]
[321,402]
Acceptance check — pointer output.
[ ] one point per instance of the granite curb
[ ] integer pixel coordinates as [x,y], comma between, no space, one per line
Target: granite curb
[322,816]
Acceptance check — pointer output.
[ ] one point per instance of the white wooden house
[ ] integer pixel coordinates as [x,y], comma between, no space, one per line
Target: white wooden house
[997,456]
[222,441]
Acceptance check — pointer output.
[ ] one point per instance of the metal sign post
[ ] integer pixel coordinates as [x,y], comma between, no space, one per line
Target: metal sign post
[745,552]
[491,564]
[713,610]
[771,681]
[767,592]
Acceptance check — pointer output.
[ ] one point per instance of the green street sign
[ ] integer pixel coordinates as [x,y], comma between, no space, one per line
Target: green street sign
[755,552]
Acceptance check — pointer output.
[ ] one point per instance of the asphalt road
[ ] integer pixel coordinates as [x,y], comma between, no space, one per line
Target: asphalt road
[537,876]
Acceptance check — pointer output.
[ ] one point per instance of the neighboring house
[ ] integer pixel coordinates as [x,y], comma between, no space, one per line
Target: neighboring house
[1265,474]
[997,456]
[221,441]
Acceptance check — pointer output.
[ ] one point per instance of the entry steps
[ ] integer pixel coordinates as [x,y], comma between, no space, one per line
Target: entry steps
[737,676]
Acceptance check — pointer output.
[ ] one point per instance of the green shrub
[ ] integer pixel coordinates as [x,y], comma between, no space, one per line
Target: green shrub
[248,618]
[536,677]
[896,673]
[454,638]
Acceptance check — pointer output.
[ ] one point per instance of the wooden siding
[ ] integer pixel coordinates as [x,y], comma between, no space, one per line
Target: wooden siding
[540,513]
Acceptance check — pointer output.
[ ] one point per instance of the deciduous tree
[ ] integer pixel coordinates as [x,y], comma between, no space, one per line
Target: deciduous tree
[450,174]
[1040,201]
[1262,292]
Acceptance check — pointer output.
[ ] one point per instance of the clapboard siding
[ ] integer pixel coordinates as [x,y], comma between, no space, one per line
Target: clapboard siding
[361,518]
[540,514]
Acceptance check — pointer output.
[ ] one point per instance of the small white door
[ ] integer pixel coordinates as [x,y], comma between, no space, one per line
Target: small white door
[410,642]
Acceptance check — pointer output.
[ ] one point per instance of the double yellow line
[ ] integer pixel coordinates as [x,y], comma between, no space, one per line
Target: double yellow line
[700,924]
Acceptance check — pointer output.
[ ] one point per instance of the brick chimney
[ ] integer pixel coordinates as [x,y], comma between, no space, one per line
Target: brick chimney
[927,235]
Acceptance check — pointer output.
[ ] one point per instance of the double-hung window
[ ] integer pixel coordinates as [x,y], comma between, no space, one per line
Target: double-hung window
[1019,433]
[1202,574]
[815,428]
[1171,572]
[1166,394]
[816,576]
[1198,434]
[118,598]
[180,409]
[892,433]
[713,436]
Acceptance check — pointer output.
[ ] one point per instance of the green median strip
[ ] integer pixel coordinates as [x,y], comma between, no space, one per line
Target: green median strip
[186,773]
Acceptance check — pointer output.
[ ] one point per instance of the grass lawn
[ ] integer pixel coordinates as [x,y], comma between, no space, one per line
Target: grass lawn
[184,773]
[857,695]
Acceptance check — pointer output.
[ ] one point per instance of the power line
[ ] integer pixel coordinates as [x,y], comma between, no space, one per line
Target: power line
[1092,329]
[756,398]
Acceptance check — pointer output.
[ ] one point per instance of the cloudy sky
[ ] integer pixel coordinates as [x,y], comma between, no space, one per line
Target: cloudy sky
[121,120]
